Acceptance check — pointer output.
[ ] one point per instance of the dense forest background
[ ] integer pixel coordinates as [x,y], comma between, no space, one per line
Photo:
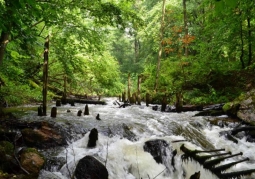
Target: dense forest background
[197,51]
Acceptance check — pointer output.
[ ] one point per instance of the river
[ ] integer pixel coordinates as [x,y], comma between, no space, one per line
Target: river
[125,158]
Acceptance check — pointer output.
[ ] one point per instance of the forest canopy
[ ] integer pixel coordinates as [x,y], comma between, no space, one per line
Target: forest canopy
[195,51]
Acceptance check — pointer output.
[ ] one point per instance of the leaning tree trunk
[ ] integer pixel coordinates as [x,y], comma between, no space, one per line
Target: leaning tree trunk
[45,74]
[160,44]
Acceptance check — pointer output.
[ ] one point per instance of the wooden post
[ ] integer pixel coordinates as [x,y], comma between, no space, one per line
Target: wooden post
[86,111]
[163,104]
[53,112]
[40,112]
[147,99]
[45,74]
[58,102]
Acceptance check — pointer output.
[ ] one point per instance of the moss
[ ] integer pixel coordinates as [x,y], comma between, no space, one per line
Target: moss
[252,123]
[33,150]
[4,175]
[226,106]
[231,108]
[18,111]
[241,97]
[7,147]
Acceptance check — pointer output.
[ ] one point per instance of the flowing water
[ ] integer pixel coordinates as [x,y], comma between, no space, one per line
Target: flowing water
[126,158]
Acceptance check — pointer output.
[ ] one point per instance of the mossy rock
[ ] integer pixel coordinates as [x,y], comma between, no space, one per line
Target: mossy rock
[31,137]
[242,107]
[4,175]
[32,160]
[33,150]
[231,108]
[7,161]
[7,147]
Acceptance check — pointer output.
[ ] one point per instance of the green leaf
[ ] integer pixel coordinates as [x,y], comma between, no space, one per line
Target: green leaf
[15,54]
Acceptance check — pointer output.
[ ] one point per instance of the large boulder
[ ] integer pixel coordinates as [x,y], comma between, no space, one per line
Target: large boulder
[161,152]
[44,137]
[243,107]
[90,168]
[31,160]
[157,148]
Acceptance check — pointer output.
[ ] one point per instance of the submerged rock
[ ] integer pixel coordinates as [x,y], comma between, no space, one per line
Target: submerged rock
[90,168]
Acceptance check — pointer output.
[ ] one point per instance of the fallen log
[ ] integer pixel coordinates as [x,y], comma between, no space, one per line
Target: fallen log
[211,163]
[194,152]
[240,129]
[223,168]
[203,158]
[236,174]
[84,101]
[231,137]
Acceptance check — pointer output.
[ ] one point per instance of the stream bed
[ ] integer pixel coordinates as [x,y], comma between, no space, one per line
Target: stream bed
[122,133]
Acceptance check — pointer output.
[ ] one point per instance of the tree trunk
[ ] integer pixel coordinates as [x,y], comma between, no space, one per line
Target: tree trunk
[179,102]
[242,43]
[3,42]
[129,84]
[45,75]
[185,19]
[139,89]
[137,47]
[64,93]
[160,44]
[249,41]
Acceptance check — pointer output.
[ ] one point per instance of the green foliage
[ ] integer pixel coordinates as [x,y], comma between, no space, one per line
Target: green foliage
[6,147]
[96,44]
[77,27]
[101,74]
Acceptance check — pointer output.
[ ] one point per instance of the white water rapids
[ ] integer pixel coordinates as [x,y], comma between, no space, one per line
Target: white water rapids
[126,159]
